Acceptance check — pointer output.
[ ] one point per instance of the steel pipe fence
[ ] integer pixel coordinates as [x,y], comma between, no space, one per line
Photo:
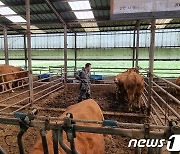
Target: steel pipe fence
[42,87]
[122,129]
[107,70]
[159,101]
[70,126]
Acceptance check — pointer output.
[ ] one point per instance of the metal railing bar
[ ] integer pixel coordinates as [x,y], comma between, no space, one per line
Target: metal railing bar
[48,93]
[14,88]
[168,106]
[160,108]
[157,114]
[47,88]
[8,98]
[168,94]
[14,104]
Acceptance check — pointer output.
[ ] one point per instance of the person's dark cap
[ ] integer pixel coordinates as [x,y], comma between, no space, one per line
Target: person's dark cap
[87,65]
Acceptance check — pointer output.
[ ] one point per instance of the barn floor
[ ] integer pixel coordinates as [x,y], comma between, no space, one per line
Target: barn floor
[103,94]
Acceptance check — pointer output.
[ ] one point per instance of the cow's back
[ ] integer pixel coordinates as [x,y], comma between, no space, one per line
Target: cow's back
[5,69]
[85,143]
[178,81]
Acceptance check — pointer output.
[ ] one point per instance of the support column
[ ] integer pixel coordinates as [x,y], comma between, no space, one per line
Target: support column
[65,53]
[134,46]
[75,54]
[137,43]
[151,62]
[6,46]
[28,33]
[25,53]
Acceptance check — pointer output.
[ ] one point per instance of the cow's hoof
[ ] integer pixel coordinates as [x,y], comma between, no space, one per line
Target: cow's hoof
[12,91]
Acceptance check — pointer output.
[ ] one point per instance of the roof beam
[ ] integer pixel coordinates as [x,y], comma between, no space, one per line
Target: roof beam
[56,22]
[51,6]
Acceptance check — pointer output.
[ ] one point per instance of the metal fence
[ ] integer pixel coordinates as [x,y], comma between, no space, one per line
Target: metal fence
[42,87]
[165,117]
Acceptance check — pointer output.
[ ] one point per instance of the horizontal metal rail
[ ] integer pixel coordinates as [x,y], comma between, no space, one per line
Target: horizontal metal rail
[14,88]
[14,104]
[133,133]
[168,106]
[170,83]
[159,117]
[168,94]
[160,108]
[23,107]
[13,80]
[48,88]
[48,93]
[8,98]
[13,73]
[59,120]
[46,83]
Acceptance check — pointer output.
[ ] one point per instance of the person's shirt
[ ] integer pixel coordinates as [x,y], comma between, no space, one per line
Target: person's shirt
[83,75]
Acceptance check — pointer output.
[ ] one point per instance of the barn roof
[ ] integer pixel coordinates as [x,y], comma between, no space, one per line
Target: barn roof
[43,18]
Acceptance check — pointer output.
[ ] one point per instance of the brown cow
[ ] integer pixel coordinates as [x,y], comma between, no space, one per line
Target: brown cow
[85,143]
[131,85]
[6,69]
[178,81]
[120,80]
[134,86]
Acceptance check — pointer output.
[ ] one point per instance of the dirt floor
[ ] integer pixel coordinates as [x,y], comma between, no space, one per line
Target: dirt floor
[104,95]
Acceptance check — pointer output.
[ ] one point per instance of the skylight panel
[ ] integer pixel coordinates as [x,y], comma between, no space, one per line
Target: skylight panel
[163,22]
[15,19]
[6,11]
[38,31]
[34,29]
[1,3]
[93,25]
[84,15]
[80,5]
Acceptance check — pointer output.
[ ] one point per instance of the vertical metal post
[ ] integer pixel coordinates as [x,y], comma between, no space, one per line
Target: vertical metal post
[25,53]
[28,33]
[75,50]
[6,46]
[134,48]
[151,62]
[55,141]
[137,43]
[65,53]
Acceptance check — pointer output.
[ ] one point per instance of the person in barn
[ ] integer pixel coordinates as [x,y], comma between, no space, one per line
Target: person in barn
[84,77]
